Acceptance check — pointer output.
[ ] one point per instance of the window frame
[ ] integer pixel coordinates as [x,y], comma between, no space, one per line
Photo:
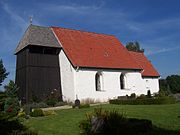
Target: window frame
[98,81]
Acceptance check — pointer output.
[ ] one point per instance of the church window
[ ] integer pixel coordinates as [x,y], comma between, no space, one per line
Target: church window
[122,81]
[98,81]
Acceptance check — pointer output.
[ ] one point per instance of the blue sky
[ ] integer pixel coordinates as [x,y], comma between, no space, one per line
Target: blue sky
[155,24]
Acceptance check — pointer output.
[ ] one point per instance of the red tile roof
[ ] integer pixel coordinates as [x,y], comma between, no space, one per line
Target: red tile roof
[87,49]
[148,69]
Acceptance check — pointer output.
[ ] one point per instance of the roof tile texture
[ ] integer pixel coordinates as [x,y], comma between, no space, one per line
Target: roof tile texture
[87,49]
[148,69]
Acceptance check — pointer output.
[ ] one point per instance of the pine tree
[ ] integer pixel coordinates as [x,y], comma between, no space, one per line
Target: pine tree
[3,73]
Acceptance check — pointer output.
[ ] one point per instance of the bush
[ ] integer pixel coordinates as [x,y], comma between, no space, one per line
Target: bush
[2,100]
[37,112]
[21,114]
[12,126]
[142,96]
[84,106]
[11,106]
[60,103]
[51,102]
[50,112]
[133,96]
[145,101]
[105,122]
[28,107]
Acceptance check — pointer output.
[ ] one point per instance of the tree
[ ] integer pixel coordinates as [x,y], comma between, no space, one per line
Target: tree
[3,73]
[173,82]
[134,46]
[11,103]
[170,85]
[11,90]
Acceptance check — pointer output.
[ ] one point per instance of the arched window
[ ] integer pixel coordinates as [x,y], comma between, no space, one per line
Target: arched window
[98,81]
[122,81]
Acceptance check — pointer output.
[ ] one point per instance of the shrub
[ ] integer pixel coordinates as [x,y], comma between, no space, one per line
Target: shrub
[11,106]
[60,103]
[37,112]
[51,102]
[142,96]
[133,96]
[84,106]
[21,114]
[2,100]
[146,101]
[49,112]
[28,107]
[12,126]
[105,122]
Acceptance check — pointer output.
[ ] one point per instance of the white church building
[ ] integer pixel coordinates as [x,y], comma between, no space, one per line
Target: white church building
[80,64]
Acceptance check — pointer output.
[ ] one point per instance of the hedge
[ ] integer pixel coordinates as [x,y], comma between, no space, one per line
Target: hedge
[146,101]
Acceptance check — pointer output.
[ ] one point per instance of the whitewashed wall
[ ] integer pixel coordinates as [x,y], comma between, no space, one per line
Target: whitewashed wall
[67,77]
[81,82]
[85,84]
[151,84]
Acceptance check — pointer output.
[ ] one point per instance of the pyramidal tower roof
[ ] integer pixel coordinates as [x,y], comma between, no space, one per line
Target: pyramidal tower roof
[39,36]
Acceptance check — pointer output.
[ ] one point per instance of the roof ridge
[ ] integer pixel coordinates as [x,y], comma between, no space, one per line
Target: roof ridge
[83,31]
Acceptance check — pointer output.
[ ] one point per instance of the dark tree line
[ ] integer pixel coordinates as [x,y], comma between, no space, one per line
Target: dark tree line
[171,84]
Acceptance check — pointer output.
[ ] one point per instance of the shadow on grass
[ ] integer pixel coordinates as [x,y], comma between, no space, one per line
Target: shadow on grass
[160,131]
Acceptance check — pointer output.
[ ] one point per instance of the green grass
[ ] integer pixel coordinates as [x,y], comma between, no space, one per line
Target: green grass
[164,117]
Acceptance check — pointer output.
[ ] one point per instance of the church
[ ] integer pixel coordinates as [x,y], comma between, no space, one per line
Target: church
[79,64]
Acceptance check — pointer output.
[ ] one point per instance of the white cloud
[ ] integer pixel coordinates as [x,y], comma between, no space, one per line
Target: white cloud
[72,8]
[156,50]
[18,20]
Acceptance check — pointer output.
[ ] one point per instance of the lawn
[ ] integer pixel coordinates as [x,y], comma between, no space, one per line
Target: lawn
[164,117]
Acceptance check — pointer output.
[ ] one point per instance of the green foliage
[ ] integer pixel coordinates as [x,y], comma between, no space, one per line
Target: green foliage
[53,98]
[12,126]
[60,103]
[65,122]
[104,122]
[133,96]
[11,89]
[84,106]
[142,96]
[144,101]
[37,112]
[2,100]
[11,104]
[170,85]
[51,102]
[35,99]
[49,112]
[3,73]
[28,107]
[21,114]
[173,82]
[134,46]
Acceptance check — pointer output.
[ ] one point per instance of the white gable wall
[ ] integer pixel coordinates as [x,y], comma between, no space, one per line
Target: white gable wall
[81,82]
[67,77]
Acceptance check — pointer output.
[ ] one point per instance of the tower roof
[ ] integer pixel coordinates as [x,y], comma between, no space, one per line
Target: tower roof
[39,36]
